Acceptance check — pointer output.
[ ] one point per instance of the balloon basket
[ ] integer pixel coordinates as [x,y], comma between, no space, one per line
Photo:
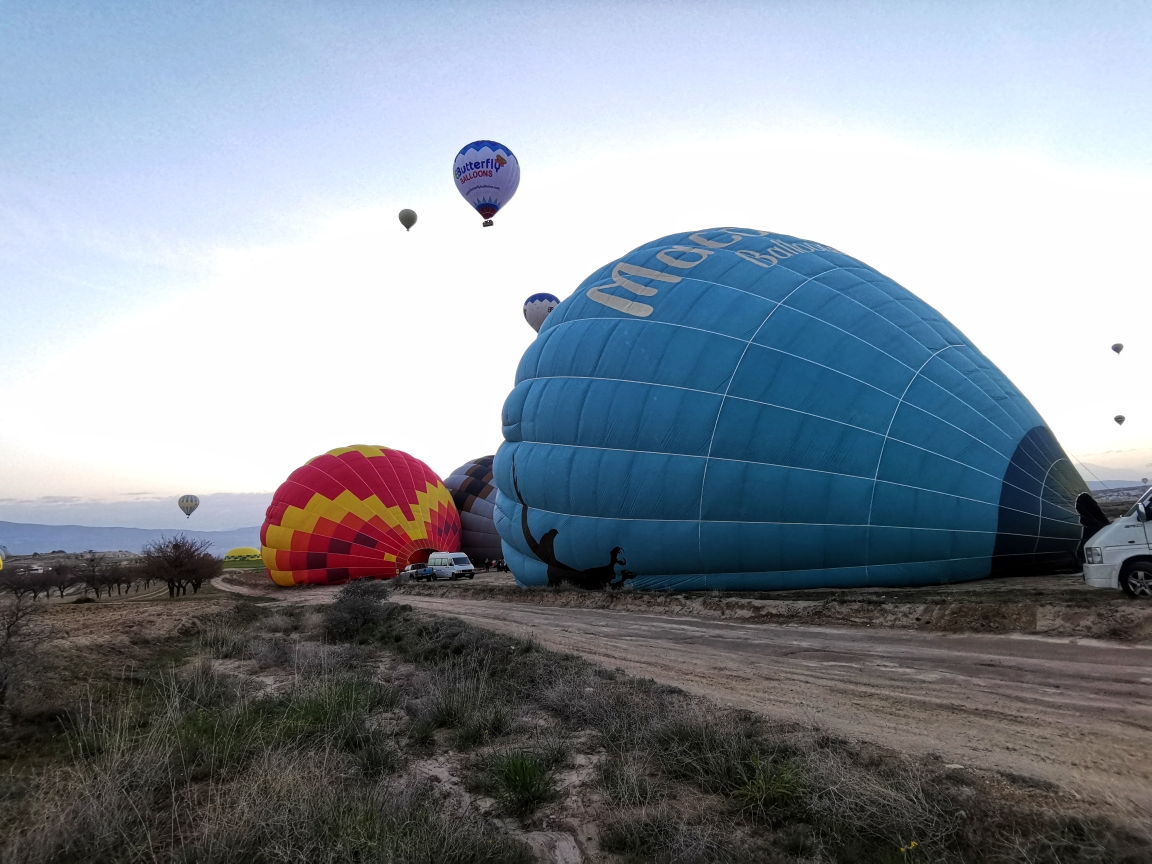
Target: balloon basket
[487,223]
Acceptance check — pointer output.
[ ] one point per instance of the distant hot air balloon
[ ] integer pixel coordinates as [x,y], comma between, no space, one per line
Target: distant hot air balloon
[188,503]
[1144,480]
[356,512]
[243,558]
[486,174]
[537,307]
[1119,418]
[407,219]
[1118,347]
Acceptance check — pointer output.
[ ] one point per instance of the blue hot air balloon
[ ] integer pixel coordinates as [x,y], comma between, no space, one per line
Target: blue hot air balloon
[736,409]
[487,175]
[538,307]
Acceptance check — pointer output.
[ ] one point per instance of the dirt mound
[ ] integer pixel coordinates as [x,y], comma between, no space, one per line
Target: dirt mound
[1052,606]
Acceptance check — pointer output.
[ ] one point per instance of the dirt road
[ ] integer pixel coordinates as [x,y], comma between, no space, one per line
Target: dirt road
[1077,713]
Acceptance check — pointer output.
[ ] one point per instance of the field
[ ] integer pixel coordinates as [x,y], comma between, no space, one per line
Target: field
[219,727]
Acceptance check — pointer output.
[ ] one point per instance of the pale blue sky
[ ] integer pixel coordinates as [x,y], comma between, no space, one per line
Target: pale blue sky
[159,154]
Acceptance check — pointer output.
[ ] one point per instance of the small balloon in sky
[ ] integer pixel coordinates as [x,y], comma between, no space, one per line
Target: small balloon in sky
[1118,347]
[1119,418]
[486,173]
[188,503]
[407,218]
[1144,480]
[537,307]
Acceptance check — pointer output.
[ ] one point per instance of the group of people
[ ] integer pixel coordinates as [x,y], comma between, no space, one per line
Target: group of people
[496,564]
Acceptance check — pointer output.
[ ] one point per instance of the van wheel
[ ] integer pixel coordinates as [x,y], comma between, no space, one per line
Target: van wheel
[1136,579]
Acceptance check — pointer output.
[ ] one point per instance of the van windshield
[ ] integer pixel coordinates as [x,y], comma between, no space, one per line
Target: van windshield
[462,560]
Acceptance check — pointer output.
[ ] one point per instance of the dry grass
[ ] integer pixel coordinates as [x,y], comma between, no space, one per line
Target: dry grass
[268,743]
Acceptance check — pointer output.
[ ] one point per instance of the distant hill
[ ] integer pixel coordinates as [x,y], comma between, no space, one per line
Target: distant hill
[22,538]
[1096,485]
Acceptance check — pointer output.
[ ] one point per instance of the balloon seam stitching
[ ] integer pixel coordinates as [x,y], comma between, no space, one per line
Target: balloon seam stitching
[880,458]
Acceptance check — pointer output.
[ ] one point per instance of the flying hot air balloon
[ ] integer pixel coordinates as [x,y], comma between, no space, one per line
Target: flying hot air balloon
[1119,418]
[1144,480]
[407,218]
[188,503]
[1118,347]
[356,512]
[486,174]
[537,307]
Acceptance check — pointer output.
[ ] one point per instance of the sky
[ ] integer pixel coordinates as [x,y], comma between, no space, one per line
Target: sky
[203,281]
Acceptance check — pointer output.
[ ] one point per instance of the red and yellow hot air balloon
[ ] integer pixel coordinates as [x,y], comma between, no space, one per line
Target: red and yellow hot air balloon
[354,513]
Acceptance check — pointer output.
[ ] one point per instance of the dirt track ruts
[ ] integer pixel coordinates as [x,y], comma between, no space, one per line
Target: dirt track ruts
[1077,713]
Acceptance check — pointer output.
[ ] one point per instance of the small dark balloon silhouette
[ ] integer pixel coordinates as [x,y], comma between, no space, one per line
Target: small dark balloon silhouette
[1118,347]
[407,219]
[1119,418]
[593,579]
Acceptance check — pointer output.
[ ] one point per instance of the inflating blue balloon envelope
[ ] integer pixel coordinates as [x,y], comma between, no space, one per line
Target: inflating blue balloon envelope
[487,174]
[537,308]
[736,409]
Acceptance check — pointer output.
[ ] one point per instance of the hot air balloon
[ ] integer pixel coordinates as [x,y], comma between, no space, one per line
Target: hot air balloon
[486,174]
[407,219]
[474,494]
[243,558]
[1119,418]
[1118,347]
[734,409]
[356,512]
[1144,480]
[537,307]
[188,503]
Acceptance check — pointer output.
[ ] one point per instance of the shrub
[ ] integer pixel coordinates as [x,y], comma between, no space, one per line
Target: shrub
[625,783]
[520,781]
[358,608]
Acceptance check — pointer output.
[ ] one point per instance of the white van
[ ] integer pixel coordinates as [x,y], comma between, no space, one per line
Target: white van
[1119,555]
[451,565]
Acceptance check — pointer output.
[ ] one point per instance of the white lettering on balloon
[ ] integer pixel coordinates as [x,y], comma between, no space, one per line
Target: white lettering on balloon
[673,256]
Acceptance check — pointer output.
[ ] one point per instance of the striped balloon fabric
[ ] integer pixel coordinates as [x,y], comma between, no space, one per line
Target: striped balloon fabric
[356,512]
[475,496]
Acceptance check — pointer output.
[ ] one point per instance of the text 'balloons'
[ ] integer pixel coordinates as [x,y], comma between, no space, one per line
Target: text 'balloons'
[487,174]
[537,308]
[1118,347]
[188,503]
[407,218]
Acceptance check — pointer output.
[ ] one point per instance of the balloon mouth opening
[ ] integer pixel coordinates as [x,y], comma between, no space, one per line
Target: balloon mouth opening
[486,210]
[420,556]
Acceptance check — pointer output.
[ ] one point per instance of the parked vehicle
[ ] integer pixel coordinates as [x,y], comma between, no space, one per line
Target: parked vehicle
[1120,554]
[418,572]
[451,565]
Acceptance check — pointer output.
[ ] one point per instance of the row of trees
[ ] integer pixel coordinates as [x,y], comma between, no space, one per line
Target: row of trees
[179,563]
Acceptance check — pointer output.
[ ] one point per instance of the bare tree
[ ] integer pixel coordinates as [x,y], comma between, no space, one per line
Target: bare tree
[181,562]
[16,634]
[19,582]
[62,578]
[90,573]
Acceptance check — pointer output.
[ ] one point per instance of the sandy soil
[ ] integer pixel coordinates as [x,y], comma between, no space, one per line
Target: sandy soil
[1075,713]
